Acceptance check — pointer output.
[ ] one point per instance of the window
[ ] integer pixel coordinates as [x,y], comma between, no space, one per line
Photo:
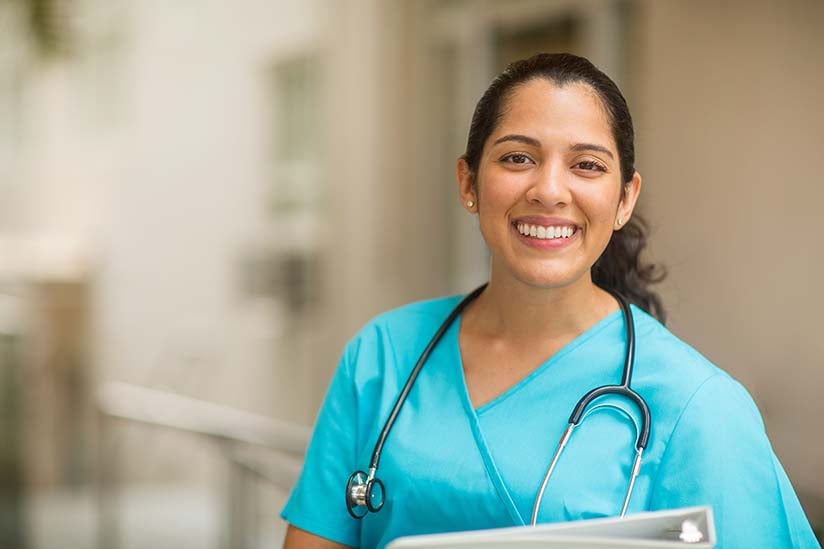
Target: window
[296,136]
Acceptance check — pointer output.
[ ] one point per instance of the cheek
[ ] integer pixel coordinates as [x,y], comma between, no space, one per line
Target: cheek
[601,209]
[500,193]
[494,204]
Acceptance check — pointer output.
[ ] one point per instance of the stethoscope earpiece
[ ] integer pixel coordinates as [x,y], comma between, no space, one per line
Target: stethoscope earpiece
[364,495]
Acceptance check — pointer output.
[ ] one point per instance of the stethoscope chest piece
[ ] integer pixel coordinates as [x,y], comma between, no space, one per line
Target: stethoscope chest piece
[364,494]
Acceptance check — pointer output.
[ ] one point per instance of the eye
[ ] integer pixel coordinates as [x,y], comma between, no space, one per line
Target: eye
[590,165]
[516,158]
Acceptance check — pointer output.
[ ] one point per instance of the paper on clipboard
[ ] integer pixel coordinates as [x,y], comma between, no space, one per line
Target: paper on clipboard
[663,529]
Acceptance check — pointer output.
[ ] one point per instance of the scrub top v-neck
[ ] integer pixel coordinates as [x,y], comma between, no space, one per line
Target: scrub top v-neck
[516,459]
[449,467]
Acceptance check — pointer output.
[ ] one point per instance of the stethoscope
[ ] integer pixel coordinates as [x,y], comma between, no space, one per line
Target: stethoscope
[365,492]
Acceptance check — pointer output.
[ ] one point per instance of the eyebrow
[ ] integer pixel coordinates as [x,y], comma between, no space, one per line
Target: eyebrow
[519,138]
[578,147]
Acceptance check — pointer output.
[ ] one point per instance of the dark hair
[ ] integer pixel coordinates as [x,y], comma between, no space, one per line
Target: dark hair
[620,267]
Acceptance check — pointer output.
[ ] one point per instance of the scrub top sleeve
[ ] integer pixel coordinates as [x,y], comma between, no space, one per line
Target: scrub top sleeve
[317,502]
[718,454]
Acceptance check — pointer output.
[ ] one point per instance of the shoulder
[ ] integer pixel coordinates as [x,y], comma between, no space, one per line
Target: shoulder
[709,446]
[666,359]
[658,346]
[396,336]
[411,316]
[684,384]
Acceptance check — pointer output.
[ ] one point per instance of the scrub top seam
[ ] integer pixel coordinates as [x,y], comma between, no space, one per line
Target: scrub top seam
[492,471]
[792,528]
[665,454]
[784,519]
[399,377]
[573,345]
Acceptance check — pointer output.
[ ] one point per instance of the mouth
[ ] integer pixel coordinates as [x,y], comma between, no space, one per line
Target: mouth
[546,232]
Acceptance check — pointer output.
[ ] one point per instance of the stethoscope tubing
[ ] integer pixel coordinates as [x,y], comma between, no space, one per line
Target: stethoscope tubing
[624,390]
[361,486]
[413,376]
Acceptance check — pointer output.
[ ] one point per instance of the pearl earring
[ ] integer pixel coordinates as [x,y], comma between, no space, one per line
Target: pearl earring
[470,204]
[620,221]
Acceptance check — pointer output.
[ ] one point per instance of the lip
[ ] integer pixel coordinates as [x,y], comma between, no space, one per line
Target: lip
[548,244]
[545,221]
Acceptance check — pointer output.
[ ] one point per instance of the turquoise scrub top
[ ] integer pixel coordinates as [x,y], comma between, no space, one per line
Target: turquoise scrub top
[448,466]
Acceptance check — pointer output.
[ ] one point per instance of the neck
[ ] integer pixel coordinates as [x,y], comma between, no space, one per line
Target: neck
[518,312]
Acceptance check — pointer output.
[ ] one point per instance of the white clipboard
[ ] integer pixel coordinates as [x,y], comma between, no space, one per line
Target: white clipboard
[687,527]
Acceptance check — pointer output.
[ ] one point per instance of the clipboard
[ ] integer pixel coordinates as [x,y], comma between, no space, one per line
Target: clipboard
[672,528]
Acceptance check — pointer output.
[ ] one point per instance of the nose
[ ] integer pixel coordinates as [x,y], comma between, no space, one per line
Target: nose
[550,187]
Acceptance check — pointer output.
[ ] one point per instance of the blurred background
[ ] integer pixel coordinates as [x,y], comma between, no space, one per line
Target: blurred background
[201,201]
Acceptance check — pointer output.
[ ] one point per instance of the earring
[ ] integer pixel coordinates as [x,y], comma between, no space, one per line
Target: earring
[620,221]
[470,204]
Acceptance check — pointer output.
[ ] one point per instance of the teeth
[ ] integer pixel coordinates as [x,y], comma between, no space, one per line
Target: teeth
[545,233]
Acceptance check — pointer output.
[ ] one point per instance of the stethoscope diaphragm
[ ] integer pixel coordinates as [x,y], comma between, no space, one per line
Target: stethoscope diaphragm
[364,494]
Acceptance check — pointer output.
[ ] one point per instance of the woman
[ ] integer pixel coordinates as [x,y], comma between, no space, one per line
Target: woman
[549,171]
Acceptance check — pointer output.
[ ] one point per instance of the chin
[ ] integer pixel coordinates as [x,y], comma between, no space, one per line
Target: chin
[551,280]
[542,274]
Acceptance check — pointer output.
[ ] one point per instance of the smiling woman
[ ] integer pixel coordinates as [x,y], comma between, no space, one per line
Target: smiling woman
[551,166]
[601,103]
[474,412]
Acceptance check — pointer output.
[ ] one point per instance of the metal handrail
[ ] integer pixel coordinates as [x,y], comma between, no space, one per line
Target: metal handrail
[173,411]
[231,428]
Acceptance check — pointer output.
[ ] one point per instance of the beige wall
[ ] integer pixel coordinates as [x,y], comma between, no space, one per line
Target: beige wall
[728,102]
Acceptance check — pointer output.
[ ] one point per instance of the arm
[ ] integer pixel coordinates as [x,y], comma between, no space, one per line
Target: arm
[719,455]
[301,539]
[316,503]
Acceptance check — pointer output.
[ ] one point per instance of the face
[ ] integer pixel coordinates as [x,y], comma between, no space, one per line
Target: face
[548,187]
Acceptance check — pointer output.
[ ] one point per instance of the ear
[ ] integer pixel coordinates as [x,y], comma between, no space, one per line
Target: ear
[466,186]
[625,208]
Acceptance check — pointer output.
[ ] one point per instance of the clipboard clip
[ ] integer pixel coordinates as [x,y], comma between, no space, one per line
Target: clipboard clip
[688,533]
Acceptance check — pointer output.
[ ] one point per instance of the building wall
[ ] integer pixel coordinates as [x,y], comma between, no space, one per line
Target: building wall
[728,101]
[143,170]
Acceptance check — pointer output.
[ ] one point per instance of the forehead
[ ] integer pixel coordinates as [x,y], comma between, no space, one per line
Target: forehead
[548,111]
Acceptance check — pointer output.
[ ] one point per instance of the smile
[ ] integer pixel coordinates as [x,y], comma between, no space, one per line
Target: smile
[545,233]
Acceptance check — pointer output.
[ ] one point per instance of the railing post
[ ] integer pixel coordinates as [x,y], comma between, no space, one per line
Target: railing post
[239,533]
[106,485]
[230,429]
